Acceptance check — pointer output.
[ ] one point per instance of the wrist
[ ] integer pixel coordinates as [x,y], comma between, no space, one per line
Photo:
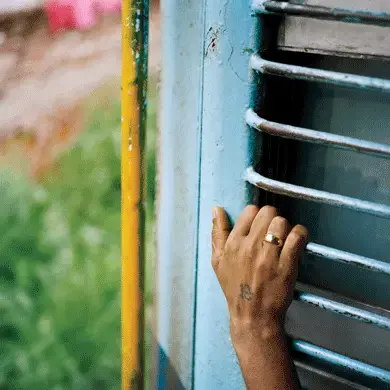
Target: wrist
[245,333]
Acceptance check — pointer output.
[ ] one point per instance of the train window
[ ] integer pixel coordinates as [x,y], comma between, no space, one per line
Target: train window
[320,139]
[318,26]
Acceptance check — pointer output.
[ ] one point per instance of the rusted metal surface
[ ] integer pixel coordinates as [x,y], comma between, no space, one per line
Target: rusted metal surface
[345,310]
[310,194]
[318,75]
[348,258]
[302,134]
[342,361]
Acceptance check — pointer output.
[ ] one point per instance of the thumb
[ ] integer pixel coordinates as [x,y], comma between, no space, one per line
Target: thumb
[220,234]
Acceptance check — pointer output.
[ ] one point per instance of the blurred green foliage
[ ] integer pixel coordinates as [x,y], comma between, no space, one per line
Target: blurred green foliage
[60,264]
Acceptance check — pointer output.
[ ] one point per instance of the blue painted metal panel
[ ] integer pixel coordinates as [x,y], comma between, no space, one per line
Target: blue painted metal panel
[167,378]
[205,141]
[178,164]
[225,153]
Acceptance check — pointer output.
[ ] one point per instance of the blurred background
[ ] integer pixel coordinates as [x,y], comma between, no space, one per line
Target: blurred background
[60,192]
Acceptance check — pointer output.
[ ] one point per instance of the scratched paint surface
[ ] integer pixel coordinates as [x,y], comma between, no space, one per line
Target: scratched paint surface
[224,154]
[338,359]
[319,75]
[308,135]
[134,69]
[225,150]
[348,258]
[183,44]
[310,194]
[345,310]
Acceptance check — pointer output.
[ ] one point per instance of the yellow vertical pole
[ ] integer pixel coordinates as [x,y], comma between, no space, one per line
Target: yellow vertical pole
[134,69]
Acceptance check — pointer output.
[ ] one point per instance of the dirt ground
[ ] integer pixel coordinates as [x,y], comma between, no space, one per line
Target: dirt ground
[45,79]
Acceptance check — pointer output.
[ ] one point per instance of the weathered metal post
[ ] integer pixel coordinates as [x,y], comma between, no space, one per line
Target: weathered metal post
[134,77]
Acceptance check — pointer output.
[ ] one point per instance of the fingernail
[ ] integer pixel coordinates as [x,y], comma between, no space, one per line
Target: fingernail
[215,213]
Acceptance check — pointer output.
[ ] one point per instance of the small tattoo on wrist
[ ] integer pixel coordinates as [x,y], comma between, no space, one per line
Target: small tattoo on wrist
[246,292]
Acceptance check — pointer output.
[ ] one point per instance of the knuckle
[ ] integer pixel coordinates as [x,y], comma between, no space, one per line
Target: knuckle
[296,235]
[251,208]
[286,269]
[251,243]
[249,247]
[302,230]
[299,236]
[232,245]
[269,210]
[280,221]
[262,267]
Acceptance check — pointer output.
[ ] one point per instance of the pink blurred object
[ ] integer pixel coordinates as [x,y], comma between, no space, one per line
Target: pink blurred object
[77,14]
[105,6]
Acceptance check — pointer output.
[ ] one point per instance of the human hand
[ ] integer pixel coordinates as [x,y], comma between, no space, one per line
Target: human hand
[257,277]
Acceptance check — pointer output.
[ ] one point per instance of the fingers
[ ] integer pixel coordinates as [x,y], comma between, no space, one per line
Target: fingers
[280,228]
[220,234]
[255,224]
[244,221]
[261,223]
[292,250]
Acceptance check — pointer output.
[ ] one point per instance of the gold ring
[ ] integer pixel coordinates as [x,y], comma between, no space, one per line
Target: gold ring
[273,240]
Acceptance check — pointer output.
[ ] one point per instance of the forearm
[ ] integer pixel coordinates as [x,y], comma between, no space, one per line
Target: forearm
[264,358]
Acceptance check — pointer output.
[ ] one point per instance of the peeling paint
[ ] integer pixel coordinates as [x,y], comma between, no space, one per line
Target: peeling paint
[212,37]
[134,76]
[247,50]
[341,361]
[318,75]
[345,310]
[319,137]
[348,258]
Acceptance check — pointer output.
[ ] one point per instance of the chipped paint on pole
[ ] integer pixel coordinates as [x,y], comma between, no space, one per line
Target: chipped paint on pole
[134,82]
